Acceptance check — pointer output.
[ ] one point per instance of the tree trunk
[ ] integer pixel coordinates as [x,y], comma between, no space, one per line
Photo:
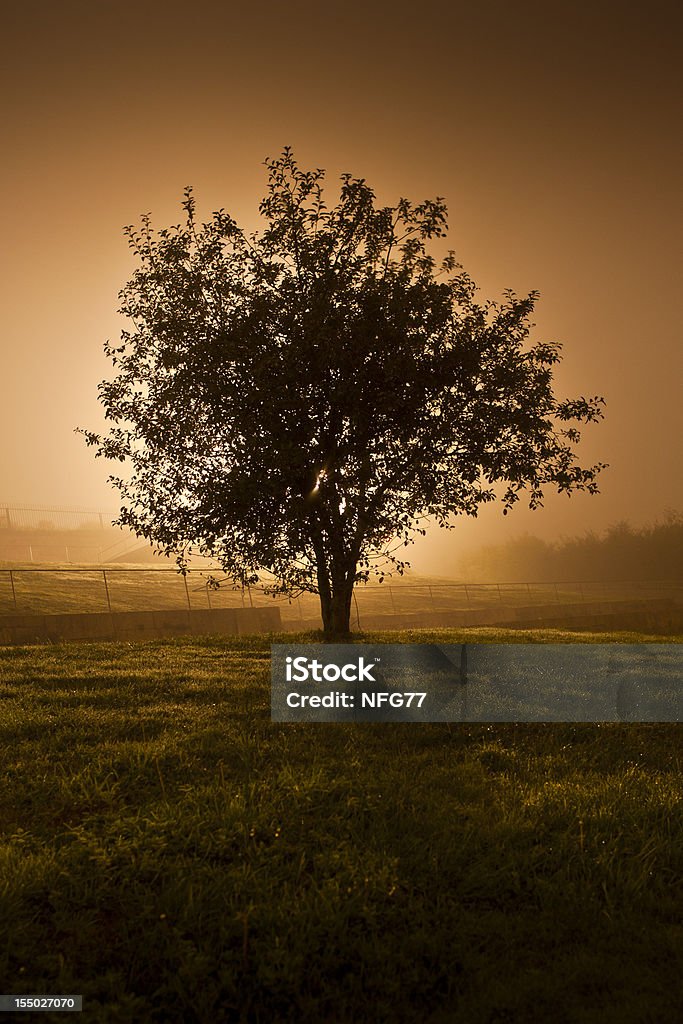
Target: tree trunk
[336,575]
[336,612]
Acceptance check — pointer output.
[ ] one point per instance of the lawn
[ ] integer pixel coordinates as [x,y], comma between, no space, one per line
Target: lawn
[173,856]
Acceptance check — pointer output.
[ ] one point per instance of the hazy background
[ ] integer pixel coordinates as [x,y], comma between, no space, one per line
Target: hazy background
[552,130]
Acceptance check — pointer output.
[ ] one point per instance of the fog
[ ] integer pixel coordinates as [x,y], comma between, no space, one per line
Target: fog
[551,140]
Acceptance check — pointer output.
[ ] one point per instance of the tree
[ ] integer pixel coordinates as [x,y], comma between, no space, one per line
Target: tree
[299,401]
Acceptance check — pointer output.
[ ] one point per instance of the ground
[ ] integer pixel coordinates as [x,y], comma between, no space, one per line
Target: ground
[172,855]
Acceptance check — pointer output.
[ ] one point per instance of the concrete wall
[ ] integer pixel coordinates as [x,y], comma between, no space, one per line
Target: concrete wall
[650,616]
[655,616]
[28,629]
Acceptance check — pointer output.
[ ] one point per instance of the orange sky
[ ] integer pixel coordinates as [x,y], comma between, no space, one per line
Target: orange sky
[552,135]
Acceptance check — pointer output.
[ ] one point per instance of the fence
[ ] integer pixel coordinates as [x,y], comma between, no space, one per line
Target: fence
[39,517]
[47,533]
[45,550]
[45,591]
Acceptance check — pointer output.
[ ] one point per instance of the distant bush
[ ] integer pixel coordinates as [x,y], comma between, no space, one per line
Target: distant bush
[623,552]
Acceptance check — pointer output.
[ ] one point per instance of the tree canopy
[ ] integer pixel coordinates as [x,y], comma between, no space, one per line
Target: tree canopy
[301,400]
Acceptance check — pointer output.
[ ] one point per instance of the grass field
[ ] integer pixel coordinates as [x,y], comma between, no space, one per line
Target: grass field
[171,854]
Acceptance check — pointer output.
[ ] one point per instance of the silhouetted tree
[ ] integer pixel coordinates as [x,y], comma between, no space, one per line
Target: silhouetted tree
[301,399]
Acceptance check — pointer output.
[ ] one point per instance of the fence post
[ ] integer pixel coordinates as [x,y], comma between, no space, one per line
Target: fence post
[467,595]
[189,603]
[431,598]
[14,593]
[393,603]
[111,615]
[106,589]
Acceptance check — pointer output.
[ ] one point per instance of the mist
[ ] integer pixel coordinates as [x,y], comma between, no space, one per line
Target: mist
[527,126]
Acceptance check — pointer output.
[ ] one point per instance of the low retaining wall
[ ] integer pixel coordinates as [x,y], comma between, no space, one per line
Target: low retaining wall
[654,616]
[29,629]
[658,615]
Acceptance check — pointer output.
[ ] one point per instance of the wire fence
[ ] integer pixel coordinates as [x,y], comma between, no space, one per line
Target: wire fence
[58,590]
[52,517]
[44,534]
[55,551]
